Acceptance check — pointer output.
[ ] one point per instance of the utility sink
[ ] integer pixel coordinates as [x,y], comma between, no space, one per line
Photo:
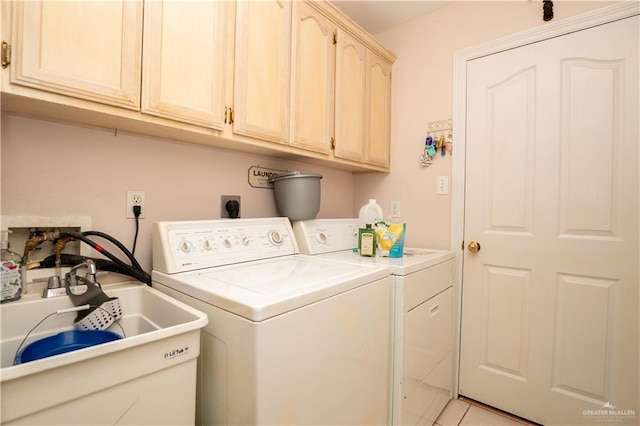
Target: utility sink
[147,377]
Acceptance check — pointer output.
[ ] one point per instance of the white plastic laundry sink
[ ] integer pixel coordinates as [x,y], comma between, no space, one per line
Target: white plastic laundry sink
[148,377]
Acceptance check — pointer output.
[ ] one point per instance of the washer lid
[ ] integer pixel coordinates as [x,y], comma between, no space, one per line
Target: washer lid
[263,289]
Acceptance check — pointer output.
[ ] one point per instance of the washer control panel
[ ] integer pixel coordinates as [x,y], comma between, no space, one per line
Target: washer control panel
[190,245]
[319,236]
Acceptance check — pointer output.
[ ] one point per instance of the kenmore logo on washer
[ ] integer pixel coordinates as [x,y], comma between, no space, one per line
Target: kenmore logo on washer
[176,352]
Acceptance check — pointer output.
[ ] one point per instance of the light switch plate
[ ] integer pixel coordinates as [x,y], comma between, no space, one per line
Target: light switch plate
[443,185]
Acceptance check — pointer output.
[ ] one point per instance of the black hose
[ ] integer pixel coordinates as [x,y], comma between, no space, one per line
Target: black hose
[139,274]
[117,243]
[68,259]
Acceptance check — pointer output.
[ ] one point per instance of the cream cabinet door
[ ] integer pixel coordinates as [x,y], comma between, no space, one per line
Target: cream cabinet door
[312,79]
[84,49]
[184,61]
[350,96]
[262,73]
[378,111]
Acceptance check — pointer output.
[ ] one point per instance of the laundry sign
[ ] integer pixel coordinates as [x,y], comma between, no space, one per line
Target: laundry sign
[259,176]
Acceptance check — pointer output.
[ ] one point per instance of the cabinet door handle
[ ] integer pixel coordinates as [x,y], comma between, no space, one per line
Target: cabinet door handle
[6,54]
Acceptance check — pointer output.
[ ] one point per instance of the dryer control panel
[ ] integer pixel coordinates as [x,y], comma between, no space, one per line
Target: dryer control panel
[190,245]
[320,236]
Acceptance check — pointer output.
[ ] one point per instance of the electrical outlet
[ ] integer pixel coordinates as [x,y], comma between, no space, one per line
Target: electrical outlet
[443,185]
[224,199]
[395,209]
[135,198]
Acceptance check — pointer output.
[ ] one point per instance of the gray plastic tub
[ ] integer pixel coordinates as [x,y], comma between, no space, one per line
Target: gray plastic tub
[297,195]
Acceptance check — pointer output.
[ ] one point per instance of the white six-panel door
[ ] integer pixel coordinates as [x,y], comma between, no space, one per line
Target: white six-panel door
[550,301]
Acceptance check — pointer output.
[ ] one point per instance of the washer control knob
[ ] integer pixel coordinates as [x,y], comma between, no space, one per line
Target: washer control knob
[245,241]
[185,246]
[208,245]
[226,243]
[322,237]
[276,237]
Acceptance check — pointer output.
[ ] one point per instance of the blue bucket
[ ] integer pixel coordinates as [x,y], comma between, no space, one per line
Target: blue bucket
[66,341]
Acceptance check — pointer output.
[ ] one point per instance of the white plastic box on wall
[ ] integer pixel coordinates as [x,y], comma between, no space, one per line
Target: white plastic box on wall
[21,226]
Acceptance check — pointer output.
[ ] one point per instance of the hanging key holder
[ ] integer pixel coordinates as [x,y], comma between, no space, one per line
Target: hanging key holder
[429,152]
[436,141]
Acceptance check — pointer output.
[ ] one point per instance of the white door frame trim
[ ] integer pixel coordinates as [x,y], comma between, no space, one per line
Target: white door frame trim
[594,18]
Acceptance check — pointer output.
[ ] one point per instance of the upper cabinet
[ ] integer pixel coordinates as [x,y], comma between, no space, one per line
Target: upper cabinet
[185,57]
[262,71]
[363,103]
[275,77]
[350,97]
[377,111]
[88,50]
[312,79]
[284,74]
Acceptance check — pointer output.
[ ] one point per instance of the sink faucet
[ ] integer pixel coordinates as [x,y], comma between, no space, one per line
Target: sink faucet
[54,288]
[71,278]
[72,283]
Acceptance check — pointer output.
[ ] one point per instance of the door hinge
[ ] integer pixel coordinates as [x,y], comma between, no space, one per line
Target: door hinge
[6,54]
[333,143]
[335,37]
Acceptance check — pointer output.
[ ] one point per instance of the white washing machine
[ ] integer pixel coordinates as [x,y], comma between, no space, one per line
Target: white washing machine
[291,338]
[422,376]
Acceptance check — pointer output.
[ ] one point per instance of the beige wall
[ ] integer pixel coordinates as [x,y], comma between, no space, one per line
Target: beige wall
[60,169]
[423,92]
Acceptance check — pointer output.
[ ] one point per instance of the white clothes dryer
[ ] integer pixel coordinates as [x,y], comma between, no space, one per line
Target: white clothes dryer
[422,375]
[292,338]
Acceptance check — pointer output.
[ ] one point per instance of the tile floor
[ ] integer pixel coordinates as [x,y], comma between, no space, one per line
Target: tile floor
[459,412]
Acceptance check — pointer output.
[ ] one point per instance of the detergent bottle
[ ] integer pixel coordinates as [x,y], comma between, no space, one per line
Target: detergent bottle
[369,213]
[367,241]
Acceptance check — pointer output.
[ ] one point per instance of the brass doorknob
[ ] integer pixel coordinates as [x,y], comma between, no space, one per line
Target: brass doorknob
[474,246]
